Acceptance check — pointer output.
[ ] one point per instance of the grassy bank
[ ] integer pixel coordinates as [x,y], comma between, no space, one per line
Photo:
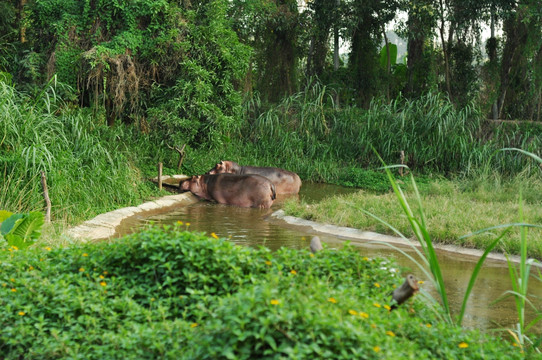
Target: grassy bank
[452,208]
[168,293]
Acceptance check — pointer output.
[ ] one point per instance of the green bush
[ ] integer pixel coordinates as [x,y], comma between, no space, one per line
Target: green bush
[168,293]
[364,179]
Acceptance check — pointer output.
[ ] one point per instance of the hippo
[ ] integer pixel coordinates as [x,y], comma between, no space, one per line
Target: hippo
[286,182]
[248,190]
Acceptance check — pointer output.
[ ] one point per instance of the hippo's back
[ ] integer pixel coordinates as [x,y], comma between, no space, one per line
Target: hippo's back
[286,182]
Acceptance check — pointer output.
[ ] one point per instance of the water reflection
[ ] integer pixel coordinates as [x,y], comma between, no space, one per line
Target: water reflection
[253,227]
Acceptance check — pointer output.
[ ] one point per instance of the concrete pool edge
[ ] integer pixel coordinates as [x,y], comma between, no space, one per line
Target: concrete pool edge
[361,236]
[106,225]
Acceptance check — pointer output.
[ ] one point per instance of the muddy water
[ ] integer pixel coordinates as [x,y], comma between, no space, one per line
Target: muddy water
[254,227]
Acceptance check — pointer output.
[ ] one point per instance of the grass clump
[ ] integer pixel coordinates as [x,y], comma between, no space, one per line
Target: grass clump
[169,293]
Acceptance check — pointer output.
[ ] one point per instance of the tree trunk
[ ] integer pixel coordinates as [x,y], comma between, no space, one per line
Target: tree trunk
[388,63]
[336,50]
[445,52]
[21,15]
[492,60]
[514,66]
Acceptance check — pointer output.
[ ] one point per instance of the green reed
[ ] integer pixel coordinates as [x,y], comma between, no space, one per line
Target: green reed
[429,258]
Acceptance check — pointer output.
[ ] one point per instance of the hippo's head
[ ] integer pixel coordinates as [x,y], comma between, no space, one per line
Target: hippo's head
[225,166]
[184,185]
[219,168]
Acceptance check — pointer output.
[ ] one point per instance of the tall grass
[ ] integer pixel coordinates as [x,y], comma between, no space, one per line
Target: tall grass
[88,166]
[307,129]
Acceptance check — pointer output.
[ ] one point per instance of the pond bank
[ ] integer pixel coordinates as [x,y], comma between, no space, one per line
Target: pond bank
[106,226]
[360,236]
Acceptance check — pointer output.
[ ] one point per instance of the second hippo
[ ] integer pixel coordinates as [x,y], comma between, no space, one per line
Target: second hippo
[248,190]
[286,182]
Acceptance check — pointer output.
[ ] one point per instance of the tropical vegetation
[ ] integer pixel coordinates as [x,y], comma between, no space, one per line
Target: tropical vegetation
[94,93]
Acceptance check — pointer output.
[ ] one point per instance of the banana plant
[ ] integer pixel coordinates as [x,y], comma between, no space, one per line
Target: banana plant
[20,230]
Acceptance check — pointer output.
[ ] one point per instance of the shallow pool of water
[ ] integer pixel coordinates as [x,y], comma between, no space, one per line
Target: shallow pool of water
[254,227]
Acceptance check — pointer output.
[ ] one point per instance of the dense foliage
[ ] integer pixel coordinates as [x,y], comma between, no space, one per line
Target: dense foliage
[173,294]
[133,56]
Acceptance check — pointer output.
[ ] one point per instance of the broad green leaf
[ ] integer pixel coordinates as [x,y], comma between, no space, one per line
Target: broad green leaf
[11,223]
[30,227]
[384,55]
[16,240]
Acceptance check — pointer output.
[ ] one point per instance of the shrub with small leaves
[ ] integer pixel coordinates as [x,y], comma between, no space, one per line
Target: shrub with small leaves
[169,293]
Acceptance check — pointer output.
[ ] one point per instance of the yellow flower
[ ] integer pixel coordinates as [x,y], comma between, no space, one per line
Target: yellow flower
[47,248]
[428,325]
[193,325]
[293,272]
[463,345]
[332,300]
[30,267]
[152,299]
[4,285]
[15,248]
[373,326]
[214,235]
[420,281]
[377,305]
[364,315]
[366,258]
[387,307]
[352,312]
[105,272]
[390,333]
[179,222]
[377,285]
[103,283]
[267,262]
[81,269]
[85,254]
[311,255]
[303,238]
[274,302]
[13,290]
[187,224]
[101,277]
[12,280]
[376,349]
[22,313]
